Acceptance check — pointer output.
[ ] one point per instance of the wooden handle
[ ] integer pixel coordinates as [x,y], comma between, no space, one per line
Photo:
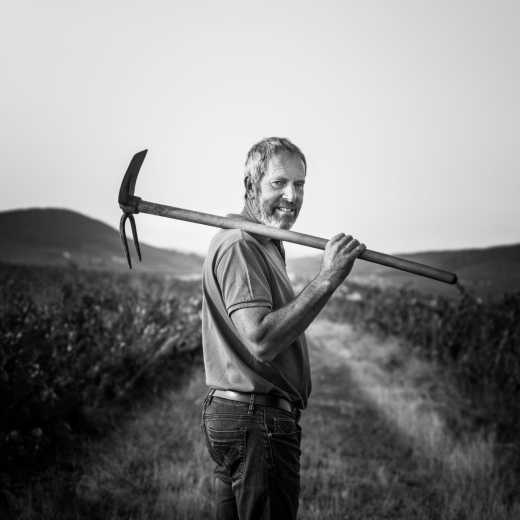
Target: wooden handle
[291,236]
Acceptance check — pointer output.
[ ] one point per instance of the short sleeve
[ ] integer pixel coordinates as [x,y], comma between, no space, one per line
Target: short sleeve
[243,277]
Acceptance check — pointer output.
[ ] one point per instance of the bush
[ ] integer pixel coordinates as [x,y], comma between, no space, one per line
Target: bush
[73,341]
[478,340]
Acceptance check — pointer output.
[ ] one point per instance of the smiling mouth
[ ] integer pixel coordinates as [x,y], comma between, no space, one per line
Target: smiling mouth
[286,211]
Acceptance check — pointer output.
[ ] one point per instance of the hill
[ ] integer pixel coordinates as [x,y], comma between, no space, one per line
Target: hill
[54,236]
[487,271]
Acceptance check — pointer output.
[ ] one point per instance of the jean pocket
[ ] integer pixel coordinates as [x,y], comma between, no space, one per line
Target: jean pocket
[284,426]
[226,442]
[284,439]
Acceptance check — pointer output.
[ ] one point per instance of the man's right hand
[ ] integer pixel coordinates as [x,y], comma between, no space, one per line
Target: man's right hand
[338,259]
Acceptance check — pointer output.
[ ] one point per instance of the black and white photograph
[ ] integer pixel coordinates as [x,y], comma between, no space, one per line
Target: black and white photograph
[260,260]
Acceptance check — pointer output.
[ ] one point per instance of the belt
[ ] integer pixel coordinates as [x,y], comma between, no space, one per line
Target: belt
[261,399]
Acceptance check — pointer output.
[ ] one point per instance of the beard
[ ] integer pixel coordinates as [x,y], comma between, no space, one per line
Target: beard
[268,214]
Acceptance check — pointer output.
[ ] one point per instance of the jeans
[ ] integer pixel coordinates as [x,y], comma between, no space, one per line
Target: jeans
[256,450]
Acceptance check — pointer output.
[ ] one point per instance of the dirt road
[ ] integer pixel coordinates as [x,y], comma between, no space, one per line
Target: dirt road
[388,436]
[383,438]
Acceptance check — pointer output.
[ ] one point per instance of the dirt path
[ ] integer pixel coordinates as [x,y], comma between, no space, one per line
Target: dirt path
[382,439]
[364,465]
[389,435]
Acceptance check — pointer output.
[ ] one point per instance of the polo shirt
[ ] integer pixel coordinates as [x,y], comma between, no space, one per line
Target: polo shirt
[245,270]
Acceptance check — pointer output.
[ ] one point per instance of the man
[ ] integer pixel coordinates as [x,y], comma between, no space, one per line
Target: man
[255,353]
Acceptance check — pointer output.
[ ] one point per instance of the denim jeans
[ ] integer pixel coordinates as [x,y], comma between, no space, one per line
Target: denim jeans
[256,450]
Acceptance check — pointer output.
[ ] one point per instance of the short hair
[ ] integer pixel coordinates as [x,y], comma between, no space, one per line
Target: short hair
[260,154]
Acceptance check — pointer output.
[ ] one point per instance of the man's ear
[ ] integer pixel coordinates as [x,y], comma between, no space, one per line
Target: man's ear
[248,185]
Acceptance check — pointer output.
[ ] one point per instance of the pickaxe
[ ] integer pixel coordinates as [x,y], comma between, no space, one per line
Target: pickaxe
[131,204]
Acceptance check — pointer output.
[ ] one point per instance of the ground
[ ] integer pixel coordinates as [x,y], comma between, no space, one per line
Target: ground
[385,436]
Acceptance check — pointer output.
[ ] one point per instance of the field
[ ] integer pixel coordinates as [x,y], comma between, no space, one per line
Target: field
[414,411]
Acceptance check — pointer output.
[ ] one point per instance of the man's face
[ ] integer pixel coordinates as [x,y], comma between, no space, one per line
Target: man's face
[278,197]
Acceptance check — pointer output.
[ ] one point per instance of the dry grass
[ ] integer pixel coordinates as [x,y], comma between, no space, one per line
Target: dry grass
[154,466]
[385,437]
[422,405]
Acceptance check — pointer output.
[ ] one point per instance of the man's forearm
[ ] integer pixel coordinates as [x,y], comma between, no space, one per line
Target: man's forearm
[282,327]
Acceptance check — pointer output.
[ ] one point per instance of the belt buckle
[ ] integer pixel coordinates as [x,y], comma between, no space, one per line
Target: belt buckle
[294,409]
[287,402]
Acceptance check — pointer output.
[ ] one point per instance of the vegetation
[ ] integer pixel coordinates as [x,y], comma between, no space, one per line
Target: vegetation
[478,340]
[76,341]
[383,436]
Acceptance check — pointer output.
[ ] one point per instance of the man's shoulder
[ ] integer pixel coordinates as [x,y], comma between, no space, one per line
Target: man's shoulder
[227,237]
[226,241]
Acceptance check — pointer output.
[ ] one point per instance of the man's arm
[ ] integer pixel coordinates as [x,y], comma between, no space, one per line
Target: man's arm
[270,332]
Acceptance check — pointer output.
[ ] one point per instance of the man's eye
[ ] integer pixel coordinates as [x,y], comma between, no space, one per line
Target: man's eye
[277,183]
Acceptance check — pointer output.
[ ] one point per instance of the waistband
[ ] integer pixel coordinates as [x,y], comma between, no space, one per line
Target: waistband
[251,398]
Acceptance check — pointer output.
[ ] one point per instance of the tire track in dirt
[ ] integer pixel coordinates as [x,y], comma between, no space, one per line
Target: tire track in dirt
[385,431]
[359,465]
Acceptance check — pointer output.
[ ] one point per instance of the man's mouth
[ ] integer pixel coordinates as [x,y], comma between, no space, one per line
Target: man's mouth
[286,211]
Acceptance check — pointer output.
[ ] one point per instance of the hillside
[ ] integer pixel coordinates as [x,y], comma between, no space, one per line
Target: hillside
[488,271]
[54,236]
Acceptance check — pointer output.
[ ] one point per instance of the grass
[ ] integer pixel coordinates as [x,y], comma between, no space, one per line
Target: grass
[386,436]
[422,434]
[152,465]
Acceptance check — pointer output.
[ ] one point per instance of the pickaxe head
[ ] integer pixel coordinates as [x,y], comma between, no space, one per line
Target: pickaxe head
[127,200]
[129,203]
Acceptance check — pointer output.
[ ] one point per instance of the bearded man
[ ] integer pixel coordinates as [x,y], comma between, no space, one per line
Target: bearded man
[255,353]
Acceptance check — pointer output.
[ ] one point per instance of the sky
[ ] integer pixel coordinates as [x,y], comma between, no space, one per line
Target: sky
[407,111]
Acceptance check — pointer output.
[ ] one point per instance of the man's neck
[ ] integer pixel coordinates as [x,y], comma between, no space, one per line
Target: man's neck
[248,213]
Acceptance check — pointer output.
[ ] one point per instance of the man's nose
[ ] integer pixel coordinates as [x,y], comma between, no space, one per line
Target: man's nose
[289,193]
